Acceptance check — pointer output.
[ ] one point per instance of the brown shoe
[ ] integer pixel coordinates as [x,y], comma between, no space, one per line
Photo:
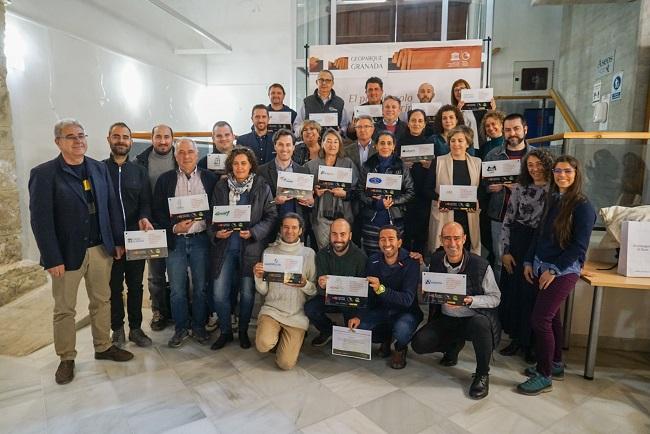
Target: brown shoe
[384,348]
[65,372]
[115,354]
[398,359]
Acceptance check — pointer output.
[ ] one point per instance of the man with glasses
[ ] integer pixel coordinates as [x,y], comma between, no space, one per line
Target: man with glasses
[323,100]
[476,319]
[359,152]
[78,228]
[158,159]
[514,148]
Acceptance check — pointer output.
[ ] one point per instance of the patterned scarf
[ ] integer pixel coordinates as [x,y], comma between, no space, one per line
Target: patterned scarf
[238,188]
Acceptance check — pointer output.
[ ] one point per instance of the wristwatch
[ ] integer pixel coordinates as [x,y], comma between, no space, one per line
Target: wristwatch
[552,272]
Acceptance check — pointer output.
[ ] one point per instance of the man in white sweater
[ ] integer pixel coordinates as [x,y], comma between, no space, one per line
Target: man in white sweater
[282,321]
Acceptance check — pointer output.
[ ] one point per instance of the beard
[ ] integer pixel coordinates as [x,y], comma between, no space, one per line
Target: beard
[120,150]
[340,247]
[515,140]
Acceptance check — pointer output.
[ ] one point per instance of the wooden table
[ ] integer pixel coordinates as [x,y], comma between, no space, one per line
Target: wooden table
[596,276]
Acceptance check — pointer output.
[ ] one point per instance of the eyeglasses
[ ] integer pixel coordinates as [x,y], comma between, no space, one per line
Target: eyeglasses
[363,127]
[325,80]
[72,137]
[565,171]
[451,238]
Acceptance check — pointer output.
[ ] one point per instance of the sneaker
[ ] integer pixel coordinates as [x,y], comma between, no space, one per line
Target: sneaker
[511,350]
[221,341]
[138,337]
[480,386]
[450,357]
[115,354]
[557,372]
[535,385]
[119,339]
[178,338]
[321,340]
[65,372]
[213,323]
[158,322]
[201,337]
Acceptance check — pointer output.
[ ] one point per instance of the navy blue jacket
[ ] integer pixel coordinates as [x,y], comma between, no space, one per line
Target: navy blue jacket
[400,280]
[59,212]
[261,145]
[166,188]
[133,191]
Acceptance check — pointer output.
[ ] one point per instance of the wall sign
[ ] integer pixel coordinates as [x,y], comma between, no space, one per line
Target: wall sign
[617,86]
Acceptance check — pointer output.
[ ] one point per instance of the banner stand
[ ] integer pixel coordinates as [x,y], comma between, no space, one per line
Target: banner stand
[306,70]
[488,56]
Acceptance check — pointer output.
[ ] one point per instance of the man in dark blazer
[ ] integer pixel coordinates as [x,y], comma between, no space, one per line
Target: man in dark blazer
[284,145]
[78,228]
[391,109]
[187,241]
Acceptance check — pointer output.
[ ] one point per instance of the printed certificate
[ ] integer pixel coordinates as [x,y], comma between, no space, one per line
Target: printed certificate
[355,343]
[501,171]
[278,120]
[412,153]
[330,119]
[477,99]
[430,108]
[145,244]
[460,197]
[346,291]
[383,184]
[373,110]
[332,177]
[217,162]
[444,288]
[282,268]
[295,185]
[191,207]
[231,217]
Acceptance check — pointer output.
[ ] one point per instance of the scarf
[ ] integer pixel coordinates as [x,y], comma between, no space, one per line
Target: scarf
[237,188]
[384,163]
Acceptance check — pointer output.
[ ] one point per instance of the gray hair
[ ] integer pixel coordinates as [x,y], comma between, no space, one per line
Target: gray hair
[60,125]
[177,142]
[366,117]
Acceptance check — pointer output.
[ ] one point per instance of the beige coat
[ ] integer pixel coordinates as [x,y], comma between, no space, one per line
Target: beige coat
[445,176]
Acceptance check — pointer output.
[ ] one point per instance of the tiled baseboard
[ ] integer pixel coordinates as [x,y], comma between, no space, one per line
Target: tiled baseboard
[613,343]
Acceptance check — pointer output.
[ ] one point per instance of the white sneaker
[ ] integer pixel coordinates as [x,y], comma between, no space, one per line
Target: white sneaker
[213,323]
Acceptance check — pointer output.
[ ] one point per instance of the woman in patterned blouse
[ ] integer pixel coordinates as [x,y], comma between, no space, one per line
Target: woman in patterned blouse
[523,214]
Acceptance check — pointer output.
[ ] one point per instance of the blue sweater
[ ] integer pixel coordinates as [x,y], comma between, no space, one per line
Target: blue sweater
[400,279]
[545,246]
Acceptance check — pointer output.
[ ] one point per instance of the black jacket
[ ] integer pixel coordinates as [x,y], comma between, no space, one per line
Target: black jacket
[269,172]
[132,190]
[263,216]
[400,129]
[400,200]
[166,188]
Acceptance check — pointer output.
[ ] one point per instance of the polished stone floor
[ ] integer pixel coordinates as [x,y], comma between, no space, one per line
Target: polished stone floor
[196,390]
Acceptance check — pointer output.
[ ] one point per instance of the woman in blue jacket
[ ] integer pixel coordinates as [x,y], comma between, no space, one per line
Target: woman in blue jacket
[553,264]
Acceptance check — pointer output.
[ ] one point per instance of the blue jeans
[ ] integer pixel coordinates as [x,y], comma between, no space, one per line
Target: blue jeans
[401,325]
[190,252]
[223,284]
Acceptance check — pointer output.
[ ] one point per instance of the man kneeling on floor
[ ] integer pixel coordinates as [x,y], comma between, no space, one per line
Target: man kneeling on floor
[393,309]
[282,322]
[477,320]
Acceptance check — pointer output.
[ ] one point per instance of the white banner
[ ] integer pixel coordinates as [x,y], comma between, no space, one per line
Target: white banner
[403,66]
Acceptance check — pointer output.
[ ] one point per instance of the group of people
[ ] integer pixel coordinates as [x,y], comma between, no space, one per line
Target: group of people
[536,232]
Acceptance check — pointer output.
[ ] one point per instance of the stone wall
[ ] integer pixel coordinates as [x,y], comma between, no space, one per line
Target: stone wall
[16,276]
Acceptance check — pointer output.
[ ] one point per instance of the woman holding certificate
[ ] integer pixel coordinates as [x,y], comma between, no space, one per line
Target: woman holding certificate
[472,117]
[522,217]
[553,263]
[235,252]
[378,209]
[457,168]
[309,147]
[447,118]
[490,132]
[417,210]
[332,199]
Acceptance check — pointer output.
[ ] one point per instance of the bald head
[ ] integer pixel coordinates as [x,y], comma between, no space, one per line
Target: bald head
[426,93]
[340,236]
[452,237]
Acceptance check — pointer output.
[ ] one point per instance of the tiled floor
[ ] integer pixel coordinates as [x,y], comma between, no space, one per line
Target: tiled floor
[196,390]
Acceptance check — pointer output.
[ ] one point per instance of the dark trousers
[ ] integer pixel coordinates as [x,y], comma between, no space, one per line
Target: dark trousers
[158,288]
[316,311]
[444,333]
[131,272]
[388,323]
[546,322]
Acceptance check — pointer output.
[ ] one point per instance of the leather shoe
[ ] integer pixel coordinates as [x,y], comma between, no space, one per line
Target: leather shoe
[449,359]
[480,386]
[244,340]
[221,341]
[511,350]
[65,372]
[384,348]
[115,354]
[398,359]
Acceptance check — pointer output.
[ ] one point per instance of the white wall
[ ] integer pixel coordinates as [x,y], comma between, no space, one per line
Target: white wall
[523,33]
[66,77]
